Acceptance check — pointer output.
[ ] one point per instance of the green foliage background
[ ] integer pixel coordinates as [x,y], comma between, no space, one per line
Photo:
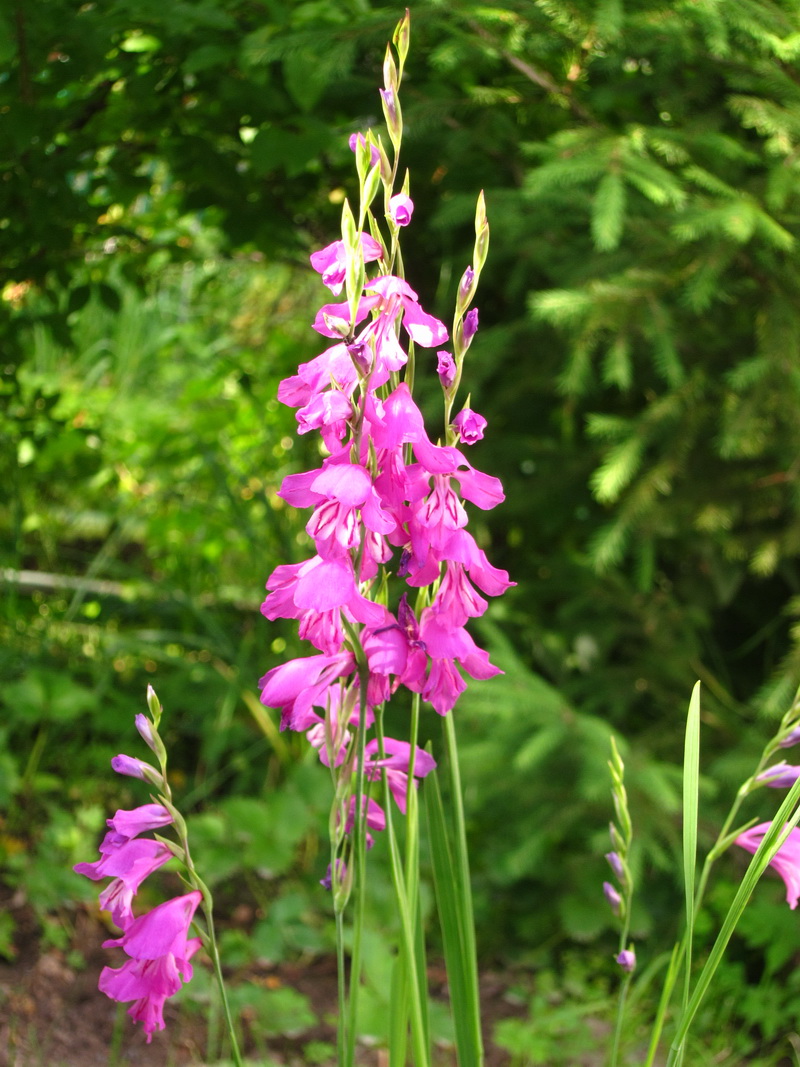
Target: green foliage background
[168,168]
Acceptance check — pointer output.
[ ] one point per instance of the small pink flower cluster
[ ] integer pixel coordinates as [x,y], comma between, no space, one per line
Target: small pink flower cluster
[157,943]
[385,499]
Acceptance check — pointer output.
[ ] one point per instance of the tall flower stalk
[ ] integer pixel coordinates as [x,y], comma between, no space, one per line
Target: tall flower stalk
[395,575]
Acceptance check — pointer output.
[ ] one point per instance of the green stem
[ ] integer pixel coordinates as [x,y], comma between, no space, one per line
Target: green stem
[407,914]
[464,888]
[623,996]
[360,854]
[215,959]
[341,1030]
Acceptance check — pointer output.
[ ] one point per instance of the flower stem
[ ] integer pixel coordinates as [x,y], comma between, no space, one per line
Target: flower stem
[464,888]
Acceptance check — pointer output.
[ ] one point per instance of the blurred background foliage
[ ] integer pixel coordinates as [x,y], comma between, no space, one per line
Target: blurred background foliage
[168,168]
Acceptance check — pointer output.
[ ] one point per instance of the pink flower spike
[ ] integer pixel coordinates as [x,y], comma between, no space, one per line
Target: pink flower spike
[401,208]
[786,860]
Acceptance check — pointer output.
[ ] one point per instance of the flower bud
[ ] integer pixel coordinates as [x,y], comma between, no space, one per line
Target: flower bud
[780,776]
[341,327]
[401,208]
[616,865]
[612,896]
[470,426]
[137,768]
[446,369]
[357,139]
[627,959]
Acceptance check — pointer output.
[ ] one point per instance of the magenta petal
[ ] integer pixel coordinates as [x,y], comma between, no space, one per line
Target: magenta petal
[423,329]
[786,860]
[132,861]
[444,685]
[131,766]
[342,311]
[347,483]
[483,490]
[329,584]
[161,931]
[138,820]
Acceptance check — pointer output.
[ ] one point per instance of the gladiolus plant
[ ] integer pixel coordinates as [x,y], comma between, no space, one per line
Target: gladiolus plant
[395,577]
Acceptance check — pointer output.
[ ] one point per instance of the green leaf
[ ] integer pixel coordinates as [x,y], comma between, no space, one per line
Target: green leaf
[618,469]
[608,212]
[691,794]
[446,879]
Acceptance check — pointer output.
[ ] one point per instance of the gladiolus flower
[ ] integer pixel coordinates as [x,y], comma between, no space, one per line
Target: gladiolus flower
[159,949]
[401,208]
[786,860]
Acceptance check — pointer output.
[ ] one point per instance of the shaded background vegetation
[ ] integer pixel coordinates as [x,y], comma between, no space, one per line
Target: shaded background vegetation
[168,168]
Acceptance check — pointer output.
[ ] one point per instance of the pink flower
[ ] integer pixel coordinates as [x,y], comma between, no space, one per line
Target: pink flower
[786,860]
[395,763]
[128,863]
[300,683]
[128,824]
[470,426]
[401,208]
[331,262]
[160,950]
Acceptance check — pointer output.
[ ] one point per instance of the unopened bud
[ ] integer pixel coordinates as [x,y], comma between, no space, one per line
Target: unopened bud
[340,327]
[627,959]
[612,896]
[136,768]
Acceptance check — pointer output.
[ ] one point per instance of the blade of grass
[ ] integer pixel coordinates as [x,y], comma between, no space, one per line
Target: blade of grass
[448,902]
[691,793]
